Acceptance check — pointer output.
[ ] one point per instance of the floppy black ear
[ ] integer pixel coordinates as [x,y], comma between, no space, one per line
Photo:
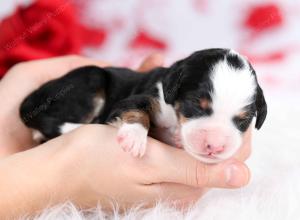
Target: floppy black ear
[261,108]
[172,83]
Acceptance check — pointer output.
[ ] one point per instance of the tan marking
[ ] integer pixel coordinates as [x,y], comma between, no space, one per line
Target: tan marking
[204,103]
[135,116]
[242,115]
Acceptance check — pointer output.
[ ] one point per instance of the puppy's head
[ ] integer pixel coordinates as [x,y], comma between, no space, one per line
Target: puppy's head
[216,97]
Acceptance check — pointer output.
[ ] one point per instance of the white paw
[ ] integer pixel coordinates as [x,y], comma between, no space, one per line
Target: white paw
[133,138]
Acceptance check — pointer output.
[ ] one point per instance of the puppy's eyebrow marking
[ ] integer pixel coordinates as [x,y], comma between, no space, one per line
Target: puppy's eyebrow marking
[204,103]
[242,115]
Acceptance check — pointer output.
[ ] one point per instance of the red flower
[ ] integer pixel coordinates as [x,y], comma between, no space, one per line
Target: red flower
[46,28]
[264,17]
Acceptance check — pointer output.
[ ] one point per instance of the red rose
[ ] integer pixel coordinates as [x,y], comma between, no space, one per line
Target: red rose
[46,28]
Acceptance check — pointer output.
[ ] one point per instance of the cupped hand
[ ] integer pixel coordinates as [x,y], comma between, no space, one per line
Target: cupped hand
[100,171]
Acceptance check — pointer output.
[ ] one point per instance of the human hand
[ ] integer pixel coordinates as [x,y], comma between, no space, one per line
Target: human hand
[24,78]
[87,166]
[100,171]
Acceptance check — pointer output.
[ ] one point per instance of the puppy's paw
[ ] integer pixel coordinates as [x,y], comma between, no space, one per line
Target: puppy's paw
[133,138]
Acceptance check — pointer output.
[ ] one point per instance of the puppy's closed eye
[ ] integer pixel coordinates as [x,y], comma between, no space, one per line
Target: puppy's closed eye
[242,120]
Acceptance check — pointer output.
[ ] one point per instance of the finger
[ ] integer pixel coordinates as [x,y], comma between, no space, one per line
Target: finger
[44,70]
[152,61]
[178,192]
[37,72]
[175,165]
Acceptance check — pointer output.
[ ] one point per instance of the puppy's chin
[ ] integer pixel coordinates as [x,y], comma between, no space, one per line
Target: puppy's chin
[211,159]
[205,159]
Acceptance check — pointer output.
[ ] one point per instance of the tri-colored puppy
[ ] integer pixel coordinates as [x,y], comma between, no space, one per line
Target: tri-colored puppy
[203,103]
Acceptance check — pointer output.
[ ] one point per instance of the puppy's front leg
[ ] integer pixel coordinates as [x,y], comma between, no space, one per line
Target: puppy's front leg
[132,135]
[134,117]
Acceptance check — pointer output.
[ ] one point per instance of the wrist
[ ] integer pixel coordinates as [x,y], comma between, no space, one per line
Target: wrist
[34,179]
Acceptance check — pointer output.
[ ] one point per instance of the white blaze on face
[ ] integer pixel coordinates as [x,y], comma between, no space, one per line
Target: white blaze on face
[233,89]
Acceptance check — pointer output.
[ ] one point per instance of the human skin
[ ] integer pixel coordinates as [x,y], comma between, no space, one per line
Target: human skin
[86,166]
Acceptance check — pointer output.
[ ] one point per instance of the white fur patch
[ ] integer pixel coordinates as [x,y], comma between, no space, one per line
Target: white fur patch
[233,88]
[67,127]
[133,138]
[166,118]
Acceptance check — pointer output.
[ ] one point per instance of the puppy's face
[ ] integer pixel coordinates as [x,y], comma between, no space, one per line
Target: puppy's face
[217,100]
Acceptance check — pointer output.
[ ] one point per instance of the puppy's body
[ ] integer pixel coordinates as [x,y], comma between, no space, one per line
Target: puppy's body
[207,94]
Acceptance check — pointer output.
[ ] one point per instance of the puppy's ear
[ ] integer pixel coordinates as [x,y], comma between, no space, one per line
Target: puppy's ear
[261,108]
[172,83]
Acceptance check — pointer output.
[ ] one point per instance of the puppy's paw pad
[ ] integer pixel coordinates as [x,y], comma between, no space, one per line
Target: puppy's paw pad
[133,138]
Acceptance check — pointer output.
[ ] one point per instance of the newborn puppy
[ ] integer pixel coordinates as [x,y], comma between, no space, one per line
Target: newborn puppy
[203,103]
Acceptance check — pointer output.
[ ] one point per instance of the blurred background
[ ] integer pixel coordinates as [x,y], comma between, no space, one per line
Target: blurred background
[124,32]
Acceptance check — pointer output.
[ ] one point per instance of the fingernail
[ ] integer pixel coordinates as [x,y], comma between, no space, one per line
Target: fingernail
[236,176]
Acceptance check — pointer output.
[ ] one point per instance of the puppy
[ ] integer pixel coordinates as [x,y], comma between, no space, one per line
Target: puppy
[203,103]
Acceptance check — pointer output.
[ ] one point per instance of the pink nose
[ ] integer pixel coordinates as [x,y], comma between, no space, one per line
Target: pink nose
[211,141]
[214,149]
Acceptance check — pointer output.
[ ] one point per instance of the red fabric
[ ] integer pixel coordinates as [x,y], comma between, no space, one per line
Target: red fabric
[46,28]
[264,17]
[274,56]
[146,41]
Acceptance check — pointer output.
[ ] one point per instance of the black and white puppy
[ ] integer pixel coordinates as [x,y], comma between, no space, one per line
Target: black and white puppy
[203,103]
